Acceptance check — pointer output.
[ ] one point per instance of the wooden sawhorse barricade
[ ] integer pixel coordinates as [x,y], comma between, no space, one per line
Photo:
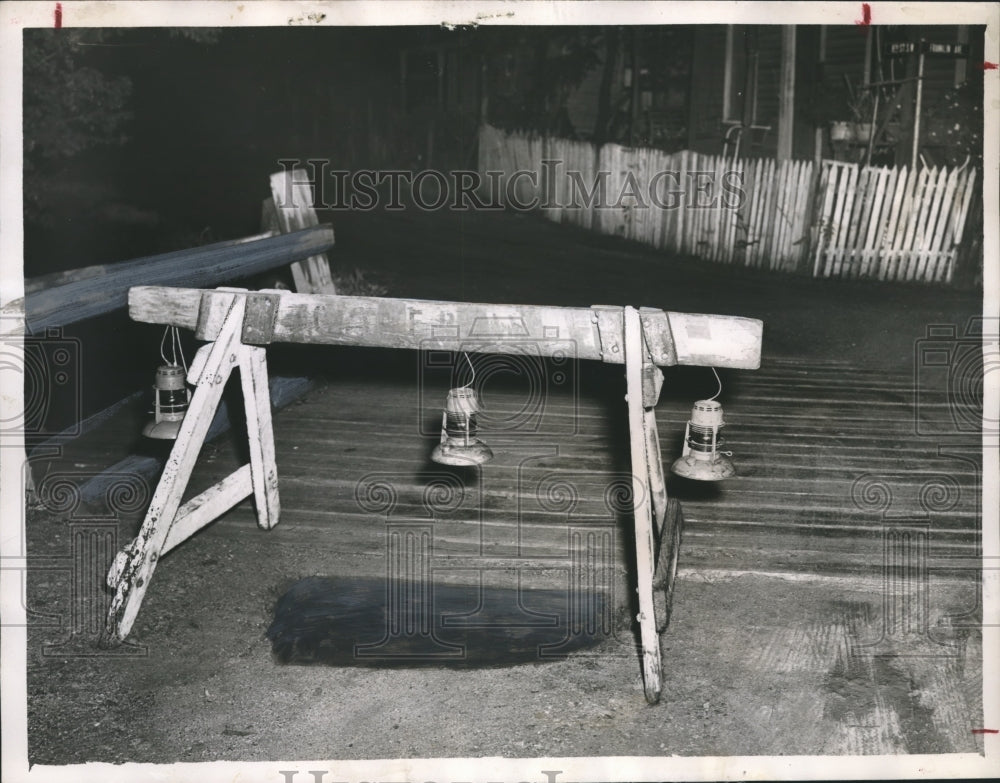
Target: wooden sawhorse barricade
[238,324]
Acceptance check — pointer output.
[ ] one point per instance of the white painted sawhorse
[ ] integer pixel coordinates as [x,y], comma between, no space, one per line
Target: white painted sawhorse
[167,524]
[240,323]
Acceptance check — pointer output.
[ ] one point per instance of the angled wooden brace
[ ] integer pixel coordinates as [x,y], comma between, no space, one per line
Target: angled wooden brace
[231,322]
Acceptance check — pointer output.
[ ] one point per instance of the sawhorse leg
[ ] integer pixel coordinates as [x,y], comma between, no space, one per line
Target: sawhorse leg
[167,523]
[657,518]
[635,354]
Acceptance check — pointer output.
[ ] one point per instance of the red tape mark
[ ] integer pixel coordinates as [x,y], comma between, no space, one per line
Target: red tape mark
[988,66]
[866,15]
[986,731]
[58,20]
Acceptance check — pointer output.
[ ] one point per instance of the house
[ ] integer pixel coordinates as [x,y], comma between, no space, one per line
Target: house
[780,91]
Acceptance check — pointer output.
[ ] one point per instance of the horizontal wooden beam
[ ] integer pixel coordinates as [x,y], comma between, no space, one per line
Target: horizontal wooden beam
[382,322]
[33,285]
[68,297]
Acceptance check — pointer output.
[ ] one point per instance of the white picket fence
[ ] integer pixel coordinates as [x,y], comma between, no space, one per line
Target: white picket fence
[891,223]
[843,220]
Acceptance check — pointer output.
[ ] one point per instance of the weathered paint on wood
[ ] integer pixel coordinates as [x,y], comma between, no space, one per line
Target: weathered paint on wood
[55,279]
[787,213]
[95,294]
[253,378]
[382,322]
[133,568]
[292,208]
[641,510]
[208,506]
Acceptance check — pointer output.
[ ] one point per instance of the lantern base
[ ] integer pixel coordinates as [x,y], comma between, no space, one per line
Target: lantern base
[162,430]
[703,470]
[451,452]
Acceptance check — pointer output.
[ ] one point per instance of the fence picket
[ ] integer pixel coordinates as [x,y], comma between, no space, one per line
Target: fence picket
[835,253]
[874,223]
[905,217]
[916,211]
[928,262]
[859,217]
[960,222]
[822,224]
[848,220]
[848,231]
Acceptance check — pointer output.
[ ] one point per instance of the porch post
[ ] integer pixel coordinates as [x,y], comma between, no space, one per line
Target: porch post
[786,94]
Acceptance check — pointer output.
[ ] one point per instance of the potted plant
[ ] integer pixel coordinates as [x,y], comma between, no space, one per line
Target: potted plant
[861,104]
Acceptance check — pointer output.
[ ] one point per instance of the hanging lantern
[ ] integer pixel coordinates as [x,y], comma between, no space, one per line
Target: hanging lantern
[459,444]
[170,400]
[701,458]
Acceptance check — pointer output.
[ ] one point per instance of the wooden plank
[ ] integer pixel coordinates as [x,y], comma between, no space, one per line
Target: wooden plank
[55,279]
[794,207]
[664,216]
[657,479]
[758,226]
[800,249]
[960,222]
[130,579]
[941,227]
[208,506]
[752,210]
[870,218]
[253,379]
[845,224]
[293,200]
[767,218]
[925,205]
[210,265]
[875,223]
[783,211]
[641,227]
[719,211]
[860,216]
[822,226]
[916,204]
[905,217]
[786,212]
[697,215]
[898,181]
[641,510]
[707,340]
[739,170]
[925,272]
[807,242]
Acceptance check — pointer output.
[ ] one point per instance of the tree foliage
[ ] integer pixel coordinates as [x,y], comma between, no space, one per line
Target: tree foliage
[74,101]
